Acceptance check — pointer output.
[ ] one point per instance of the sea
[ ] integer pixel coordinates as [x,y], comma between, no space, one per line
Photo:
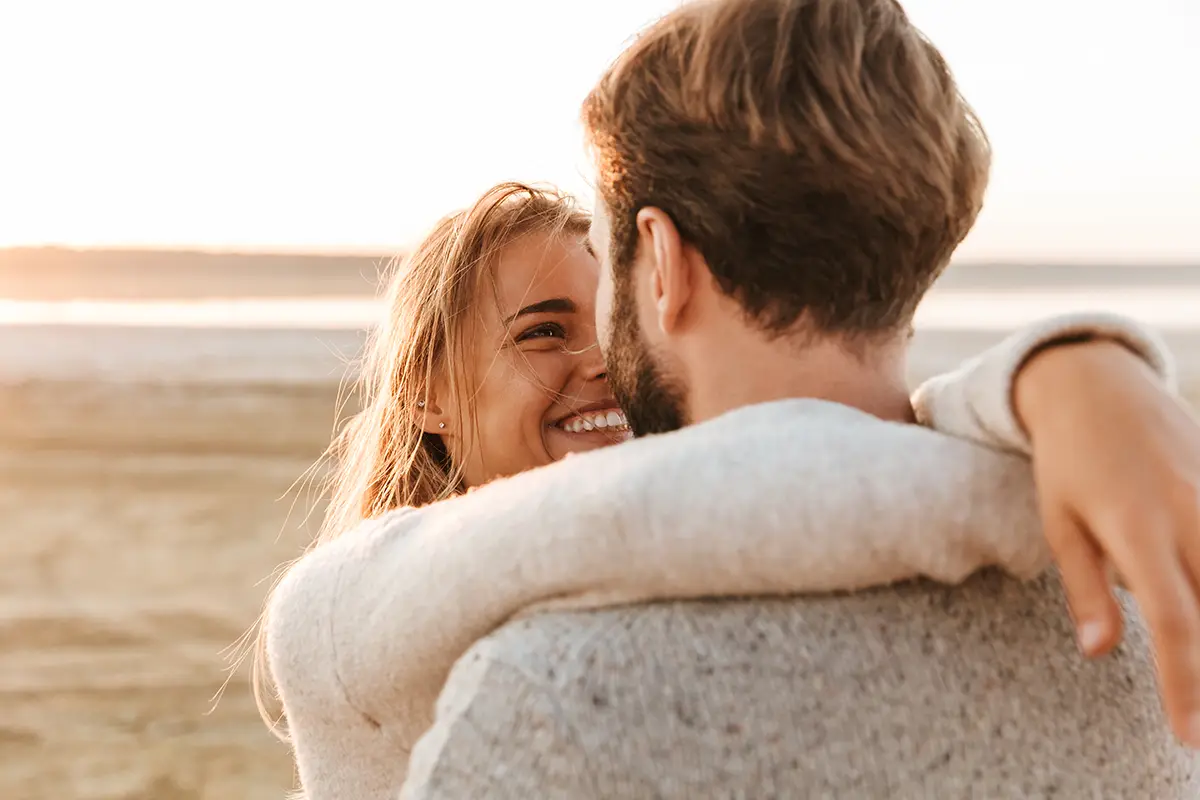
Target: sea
[315,339]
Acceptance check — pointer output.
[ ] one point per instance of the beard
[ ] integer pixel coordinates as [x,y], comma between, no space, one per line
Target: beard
[652,401]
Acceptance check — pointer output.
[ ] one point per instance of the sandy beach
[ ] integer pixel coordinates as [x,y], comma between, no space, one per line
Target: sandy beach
[139,523]
[145,495]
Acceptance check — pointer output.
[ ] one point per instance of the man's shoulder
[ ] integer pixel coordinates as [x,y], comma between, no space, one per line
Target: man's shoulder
[500,730]
[916,688]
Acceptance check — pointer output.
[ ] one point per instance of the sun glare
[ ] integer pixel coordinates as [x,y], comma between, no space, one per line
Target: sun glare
[354,129]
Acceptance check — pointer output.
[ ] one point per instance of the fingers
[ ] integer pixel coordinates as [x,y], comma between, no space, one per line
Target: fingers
[1085,577]
[1189,546]
[1189,542]
[1188,522]
[1159,578]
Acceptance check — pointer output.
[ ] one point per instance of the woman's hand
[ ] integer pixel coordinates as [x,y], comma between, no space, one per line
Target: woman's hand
[1117,463]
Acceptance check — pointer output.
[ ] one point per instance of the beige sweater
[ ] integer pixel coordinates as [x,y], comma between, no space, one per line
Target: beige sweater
[781,498]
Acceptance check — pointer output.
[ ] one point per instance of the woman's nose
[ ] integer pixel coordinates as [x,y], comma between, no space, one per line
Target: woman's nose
[593,364]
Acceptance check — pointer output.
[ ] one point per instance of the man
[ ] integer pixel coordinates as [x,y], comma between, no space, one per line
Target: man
[779,182]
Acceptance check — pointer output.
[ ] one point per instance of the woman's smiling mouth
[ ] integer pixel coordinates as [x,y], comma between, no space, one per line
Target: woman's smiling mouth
[606,420]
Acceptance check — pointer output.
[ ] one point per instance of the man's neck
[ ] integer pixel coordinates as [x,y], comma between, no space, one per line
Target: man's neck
[741,371]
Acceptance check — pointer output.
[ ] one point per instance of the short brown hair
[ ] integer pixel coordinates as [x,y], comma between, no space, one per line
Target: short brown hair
[817,153]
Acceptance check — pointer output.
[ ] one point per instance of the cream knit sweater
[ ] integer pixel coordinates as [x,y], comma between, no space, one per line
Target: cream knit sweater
[776,499]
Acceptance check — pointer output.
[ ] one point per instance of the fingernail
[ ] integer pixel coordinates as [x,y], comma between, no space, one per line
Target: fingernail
[1091,637]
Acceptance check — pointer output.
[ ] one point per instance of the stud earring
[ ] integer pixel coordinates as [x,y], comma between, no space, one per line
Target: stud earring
[420,404]
[441,424]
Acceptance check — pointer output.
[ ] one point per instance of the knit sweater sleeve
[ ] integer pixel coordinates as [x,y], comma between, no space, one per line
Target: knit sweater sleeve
[799,496]
[335,742]
[974,402]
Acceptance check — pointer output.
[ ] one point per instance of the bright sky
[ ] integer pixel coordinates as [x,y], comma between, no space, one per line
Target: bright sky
[352,125]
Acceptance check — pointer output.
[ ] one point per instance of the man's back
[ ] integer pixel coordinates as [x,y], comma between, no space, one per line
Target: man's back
[914,691]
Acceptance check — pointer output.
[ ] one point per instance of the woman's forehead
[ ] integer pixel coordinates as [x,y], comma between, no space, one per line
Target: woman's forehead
[541,267]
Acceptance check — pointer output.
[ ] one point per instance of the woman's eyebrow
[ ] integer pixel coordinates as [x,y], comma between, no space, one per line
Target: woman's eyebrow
[555,305]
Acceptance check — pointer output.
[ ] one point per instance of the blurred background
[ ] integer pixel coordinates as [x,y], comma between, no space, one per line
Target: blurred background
[197,201]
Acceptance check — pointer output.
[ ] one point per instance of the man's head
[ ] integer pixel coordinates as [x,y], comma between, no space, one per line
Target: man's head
[791,170]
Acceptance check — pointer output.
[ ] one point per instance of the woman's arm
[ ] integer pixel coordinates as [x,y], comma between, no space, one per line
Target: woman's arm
[796,496]
[976,401]
[1116,458]
[340,750]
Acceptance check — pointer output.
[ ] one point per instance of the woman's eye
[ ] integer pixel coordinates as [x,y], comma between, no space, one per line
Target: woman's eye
[547,330]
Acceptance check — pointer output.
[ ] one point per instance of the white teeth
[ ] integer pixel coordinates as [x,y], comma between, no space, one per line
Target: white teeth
[598,421]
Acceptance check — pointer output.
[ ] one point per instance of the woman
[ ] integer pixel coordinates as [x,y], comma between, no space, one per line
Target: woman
[486,367]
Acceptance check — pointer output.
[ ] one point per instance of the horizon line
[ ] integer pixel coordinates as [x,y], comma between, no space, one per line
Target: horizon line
[217,250]
[382,253]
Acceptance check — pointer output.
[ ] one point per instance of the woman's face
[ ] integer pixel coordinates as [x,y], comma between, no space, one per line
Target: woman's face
[540,387]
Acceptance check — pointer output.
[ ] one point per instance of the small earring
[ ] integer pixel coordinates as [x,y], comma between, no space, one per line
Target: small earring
[420,404]
[441,424]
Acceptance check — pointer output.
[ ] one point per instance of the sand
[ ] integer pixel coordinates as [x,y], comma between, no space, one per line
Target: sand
[141,514]
[138,523]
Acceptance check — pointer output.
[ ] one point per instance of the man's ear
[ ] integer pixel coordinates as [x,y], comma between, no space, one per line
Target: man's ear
[671,280]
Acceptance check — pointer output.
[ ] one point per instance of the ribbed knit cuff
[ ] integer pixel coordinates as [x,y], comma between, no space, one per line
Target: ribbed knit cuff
[984,385]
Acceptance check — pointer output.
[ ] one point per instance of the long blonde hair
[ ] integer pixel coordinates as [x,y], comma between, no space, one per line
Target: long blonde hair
[382,459]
